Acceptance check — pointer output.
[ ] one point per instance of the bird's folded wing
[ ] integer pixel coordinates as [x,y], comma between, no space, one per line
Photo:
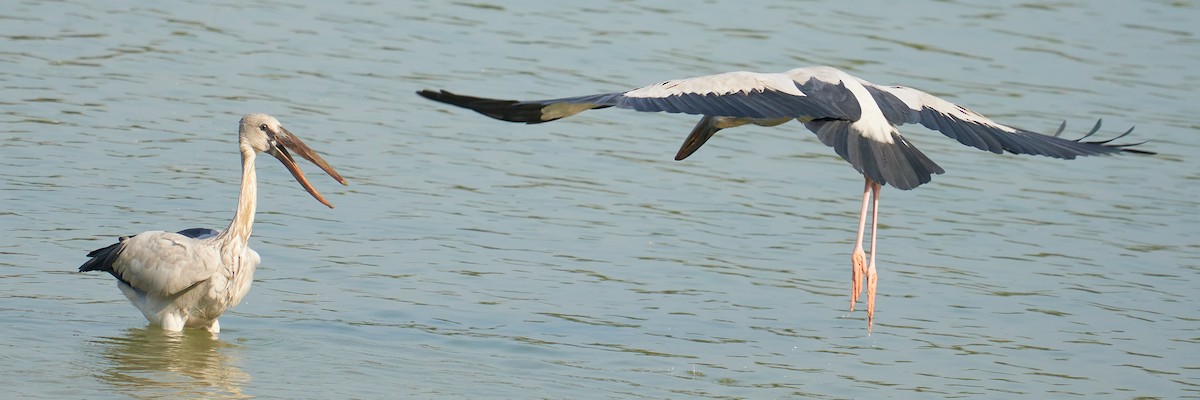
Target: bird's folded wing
[901,105]
[164,263]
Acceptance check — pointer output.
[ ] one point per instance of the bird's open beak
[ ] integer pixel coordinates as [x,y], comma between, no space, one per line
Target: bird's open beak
[285,140]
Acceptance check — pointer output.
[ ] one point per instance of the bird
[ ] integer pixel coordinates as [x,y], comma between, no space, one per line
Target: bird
[187,279]
[856,118]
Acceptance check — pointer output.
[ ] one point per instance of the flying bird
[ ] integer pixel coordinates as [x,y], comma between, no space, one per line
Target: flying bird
[187,279]
[855,117]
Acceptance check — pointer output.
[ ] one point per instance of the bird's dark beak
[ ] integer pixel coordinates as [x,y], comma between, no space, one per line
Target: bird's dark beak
[704,129]
[285,140]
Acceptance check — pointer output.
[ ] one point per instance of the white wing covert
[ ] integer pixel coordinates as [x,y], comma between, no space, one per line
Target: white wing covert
[164,263]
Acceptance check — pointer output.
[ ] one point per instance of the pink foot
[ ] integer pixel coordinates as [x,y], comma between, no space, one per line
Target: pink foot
[858,261]
[872,280]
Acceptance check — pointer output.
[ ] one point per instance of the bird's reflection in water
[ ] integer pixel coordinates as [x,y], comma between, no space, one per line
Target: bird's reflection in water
[150,362]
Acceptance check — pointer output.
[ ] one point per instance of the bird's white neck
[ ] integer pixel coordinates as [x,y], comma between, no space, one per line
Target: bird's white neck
[238,232]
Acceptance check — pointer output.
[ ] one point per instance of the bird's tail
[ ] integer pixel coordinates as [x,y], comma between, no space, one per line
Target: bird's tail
[102,258]
[895,162]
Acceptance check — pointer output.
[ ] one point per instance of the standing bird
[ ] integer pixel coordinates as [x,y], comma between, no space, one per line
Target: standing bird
[187,279]
[858,119]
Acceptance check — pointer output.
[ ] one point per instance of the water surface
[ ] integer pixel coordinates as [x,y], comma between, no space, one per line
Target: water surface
[471,258]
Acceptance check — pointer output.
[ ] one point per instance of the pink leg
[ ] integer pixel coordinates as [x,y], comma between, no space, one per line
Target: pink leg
[872,276]
[858,259]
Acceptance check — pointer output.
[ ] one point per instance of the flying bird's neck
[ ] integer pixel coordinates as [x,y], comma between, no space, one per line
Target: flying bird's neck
[238,232]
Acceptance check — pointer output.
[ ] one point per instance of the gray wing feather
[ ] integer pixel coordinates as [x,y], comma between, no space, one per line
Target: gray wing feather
[753,104]
[903,105]
[734,94]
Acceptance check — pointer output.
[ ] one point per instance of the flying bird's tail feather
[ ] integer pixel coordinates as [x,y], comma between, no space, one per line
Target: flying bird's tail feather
[898,163]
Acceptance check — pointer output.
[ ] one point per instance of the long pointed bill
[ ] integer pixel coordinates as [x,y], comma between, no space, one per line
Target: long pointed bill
[704,129]
[286,140]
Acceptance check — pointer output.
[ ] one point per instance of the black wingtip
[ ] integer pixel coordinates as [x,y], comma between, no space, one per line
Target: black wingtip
[1122,147]
[435,95]
[504,110]
[102,258]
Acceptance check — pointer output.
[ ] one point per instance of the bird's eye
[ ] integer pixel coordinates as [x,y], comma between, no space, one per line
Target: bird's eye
[262,127]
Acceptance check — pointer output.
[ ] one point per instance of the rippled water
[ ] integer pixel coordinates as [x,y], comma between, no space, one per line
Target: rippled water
[472,258]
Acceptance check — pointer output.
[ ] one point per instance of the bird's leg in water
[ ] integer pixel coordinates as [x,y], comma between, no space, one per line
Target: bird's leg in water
[858,259]
[215,327]
[872,276]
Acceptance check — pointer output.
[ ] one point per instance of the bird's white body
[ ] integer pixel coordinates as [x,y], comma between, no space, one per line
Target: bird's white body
[194,280]
[188,279]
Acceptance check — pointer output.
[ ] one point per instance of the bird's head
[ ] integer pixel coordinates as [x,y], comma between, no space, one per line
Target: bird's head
[264,134]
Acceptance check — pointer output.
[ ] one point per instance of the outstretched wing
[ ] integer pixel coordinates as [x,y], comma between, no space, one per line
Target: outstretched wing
[901,105]
[807,93]
[156,262]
